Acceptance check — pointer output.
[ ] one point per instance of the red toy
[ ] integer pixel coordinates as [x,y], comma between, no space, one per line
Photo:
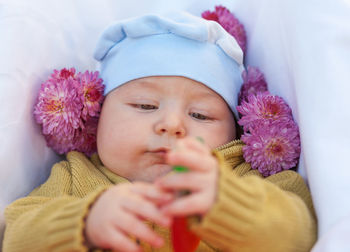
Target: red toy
[183,239]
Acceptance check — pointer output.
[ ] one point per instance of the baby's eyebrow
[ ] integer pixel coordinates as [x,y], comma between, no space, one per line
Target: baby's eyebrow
[147,85]
[204,95]
[141,88]
[200,95]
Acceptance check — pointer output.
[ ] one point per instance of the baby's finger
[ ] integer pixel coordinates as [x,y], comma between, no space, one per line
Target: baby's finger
[191,181]
[147,211]
[194,144]
[192,160]
[119,241]
[188,205]
[155,194]
[131,225]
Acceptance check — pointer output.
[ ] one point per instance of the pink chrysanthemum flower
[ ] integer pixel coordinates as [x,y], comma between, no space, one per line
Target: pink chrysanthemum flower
[60,144]
[91,89]
[68,108]
[229,22]
[86,138]
[64,74]
[253,83]
[58,108]
[272,147]
[262,108]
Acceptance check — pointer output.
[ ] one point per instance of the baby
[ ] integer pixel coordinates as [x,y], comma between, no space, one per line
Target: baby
[169,80]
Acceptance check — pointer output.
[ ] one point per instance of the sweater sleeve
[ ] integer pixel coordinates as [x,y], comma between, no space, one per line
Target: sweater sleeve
[256,214]
[49,219]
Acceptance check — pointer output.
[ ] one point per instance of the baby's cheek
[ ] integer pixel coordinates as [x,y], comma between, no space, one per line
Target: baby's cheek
[216,141]
[223,136]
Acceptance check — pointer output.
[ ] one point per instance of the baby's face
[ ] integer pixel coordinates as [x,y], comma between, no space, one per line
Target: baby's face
[142,120]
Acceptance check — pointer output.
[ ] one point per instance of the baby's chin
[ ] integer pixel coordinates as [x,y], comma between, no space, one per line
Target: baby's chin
[152,172]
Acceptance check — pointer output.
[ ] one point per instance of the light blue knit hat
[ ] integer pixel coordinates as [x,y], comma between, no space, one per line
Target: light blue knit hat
[175,44]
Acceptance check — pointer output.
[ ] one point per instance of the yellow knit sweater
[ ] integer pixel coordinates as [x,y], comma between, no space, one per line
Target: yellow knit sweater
[250,213]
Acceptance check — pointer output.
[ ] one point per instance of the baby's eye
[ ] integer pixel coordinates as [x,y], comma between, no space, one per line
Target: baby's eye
[146,106]
[199,116]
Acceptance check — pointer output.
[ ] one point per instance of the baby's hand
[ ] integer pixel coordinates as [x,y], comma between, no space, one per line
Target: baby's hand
[119,213]
[200,180]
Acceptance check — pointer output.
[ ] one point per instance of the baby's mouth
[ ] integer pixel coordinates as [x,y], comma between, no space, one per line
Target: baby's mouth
[159,154]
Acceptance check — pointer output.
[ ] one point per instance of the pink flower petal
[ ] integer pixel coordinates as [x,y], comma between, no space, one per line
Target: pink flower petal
[67,108]
[261,108]
[91,89]
[229,22]
[253,83]
[272,147]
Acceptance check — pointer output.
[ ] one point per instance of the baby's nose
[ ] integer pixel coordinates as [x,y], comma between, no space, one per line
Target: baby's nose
[171,124]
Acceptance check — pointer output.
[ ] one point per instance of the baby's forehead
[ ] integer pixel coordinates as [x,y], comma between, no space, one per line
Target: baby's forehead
[168,84]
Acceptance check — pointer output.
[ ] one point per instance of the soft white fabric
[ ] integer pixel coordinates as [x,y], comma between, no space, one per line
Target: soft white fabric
[336,238]
[303,47]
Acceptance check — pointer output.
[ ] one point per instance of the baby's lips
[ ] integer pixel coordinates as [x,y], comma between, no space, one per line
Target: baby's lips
[160,150]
